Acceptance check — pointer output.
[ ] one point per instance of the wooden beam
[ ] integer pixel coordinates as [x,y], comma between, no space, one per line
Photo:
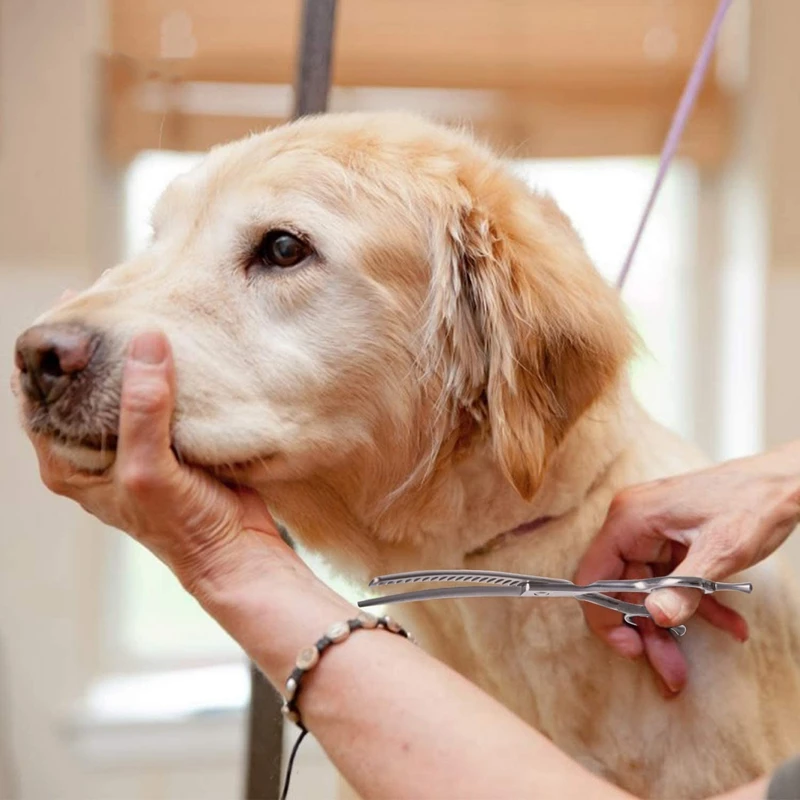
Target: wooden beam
[526,125]
[498,44]
[131,130]
[547,132]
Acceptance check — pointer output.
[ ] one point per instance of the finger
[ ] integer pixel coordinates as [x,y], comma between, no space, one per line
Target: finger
[607,558]
[624,538]
[59,475]
[674,606]
[724,618]
[664,656]
[632,572]
[607,625]
[94,493]
[660,648]
[145,461]
[610,626]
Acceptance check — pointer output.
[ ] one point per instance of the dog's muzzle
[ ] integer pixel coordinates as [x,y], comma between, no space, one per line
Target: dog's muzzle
[49,357]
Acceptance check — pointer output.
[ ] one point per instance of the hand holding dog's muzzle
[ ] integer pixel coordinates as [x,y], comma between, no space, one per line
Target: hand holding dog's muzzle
[200,528]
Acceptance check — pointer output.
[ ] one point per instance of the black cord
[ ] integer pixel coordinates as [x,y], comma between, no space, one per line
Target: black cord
[289,766]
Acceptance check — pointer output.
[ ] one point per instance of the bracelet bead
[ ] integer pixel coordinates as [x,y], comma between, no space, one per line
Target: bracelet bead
[338,632]
[367,620]
[307,658]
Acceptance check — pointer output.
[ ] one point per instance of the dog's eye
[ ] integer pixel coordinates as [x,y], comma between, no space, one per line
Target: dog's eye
[282,249]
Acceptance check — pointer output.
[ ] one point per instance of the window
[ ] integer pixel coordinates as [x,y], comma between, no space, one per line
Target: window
[157,621]
[604,198]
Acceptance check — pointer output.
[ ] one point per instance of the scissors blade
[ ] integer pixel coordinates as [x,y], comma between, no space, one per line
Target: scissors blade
[485,577]
[559,586]
[451,592]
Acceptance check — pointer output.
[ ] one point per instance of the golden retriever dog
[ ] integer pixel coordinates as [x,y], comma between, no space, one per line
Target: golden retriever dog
[409,353]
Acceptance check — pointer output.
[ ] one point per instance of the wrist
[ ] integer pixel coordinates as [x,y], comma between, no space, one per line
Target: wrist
[232,558]
[273,608]
[782,468]
[775,480]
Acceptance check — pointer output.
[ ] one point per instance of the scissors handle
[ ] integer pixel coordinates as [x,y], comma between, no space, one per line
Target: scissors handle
[648,585]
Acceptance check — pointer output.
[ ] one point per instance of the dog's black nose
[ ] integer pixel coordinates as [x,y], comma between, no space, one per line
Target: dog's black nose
[48,357]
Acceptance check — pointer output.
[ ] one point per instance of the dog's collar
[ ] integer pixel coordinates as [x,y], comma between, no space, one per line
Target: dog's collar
[506,537]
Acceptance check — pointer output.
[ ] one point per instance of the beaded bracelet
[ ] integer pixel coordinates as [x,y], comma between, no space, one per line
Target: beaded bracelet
[309,657]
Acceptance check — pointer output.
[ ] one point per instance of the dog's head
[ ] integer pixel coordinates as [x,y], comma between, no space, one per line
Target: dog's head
[348,284]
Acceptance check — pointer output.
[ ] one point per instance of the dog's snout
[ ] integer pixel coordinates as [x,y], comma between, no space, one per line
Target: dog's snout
[48,356]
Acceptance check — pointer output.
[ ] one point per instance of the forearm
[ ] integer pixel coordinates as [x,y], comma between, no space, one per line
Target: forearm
[397,723]
[784,458]
[394,721]
[774,510]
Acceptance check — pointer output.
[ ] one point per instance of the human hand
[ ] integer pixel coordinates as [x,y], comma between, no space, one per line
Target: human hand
[204,531]
[220,542]
[712,524]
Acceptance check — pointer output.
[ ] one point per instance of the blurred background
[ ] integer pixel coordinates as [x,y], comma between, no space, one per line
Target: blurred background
[112,683]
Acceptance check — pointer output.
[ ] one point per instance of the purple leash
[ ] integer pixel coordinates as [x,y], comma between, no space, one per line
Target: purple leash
[682,114]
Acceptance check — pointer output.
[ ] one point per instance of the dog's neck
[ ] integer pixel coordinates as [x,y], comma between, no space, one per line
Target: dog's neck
[467,514]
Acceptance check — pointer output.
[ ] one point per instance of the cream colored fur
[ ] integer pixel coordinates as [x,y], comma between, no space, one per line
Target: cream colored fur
[447,366]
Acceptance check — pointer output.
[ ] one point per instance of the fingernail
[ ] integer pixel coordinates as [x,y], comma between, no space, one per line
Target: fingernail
[743,636]
[667,604]
[667,692]
[149,348]
[675,685]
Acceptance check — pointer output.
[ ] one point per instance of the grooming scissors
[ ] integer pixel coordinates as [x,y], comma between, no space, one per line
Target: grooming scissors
[510,584]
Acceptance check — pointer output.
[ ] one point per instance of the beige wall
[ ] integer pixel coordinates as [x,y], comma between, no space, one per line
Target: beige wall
[775,142]
[50,193]
[45,198]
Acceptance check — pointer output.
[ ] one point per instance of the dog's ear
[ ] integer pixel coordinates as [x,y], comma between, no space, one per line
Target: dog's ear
[529,334]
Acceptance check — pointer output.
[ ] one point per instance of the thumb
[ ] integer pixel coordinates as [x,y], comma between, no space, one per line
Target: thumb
[671,607]
[146,405]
